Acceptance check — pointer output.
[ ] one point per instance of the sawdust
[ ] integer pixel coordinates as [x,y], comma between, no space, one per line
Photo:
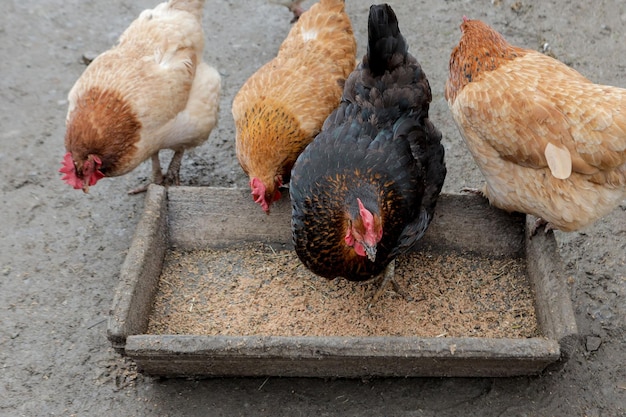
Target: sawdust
[258,290]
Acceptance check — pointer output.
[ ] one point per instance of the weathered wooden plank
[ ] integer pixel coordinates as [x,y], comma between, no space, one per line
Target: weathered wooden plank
[214,217]
[140,272]
[340,356]
[467,223]
[553,305]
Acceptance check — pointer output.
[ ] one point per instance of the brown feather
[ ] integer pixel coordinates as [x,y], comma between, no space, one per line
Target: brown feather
[104,124]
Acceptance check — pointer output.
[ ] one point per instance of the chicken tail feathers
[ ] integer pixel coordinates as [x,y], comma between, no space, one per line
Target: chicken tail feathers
[194,7]
[386,46]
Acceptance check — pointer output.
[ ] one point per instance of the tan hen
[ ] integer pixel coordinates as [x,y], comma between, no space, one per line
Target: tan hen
[548,141]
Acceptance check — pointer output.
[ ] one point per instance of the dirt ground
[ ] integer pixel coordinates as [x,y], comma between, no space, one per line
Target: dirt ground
[61,250]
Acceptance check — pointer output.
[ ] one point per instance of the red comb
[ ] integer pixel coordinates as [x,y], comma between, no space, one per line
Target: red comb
[366,216]
[258,194]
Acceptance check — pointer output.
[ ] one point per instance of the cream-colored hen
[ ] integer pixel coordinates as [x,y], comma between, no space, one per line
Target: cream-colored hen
[151,91]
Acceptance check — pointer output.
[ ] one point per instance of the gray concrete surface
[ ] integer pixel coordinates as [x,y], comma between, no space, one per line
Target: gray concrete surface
[61,250]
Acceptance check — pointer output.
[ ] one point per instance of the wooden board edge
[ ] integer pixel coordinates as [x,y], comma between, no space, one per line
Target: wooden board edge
[346,357]
[553,304]
[217,217]
[140,271]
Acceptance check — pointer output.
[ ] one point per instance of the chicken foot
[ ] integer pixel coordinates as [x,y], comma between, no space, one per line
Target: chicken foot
[172,177]
[295,8]
[386,278]
[475,191]
[547,227]
[297,12]
[156,178]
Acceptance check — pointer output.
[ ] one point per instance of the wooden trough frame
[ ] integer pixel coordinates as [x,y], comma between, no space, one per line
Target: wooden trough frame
[195,217]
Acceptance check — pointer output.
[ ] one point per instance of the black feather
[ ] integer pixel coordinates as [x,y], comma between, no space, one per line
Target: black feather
[386,47]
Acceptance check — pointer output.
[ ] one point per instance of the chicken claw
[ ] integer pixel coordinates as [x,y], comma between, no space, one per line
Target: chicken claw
[474,191]
[386,278]
[547,227]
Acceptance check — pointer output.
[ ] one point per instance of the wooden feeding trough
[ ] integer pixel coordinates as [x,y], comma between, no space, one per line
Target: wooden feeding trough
[211,287]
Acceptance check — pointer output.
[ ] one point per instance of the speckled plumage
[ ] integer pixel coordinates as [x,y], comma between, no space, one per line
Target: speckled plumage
[378,146]
[549,142]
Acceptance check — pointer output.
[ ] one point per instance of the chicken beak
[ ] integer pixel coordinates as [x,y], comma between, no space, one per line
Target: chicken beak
[370,251]
[86,188]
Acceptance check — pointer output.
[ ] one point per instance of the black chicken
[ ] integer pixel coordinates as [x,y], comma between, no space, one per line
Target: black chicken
[364,191]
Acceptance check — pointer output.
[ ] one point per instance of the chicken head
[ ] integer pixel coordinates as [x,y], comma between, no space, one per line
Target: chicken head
[364,232]
[83,176]
[265,196]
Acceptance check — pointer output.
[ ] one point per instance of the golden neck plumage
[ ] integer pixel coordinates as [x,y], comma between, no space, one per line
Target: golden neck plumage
[480,50]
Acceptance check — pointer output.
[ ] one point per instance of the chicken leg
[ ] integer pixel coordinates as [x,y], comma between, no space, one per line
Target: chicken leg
[293,6]
[172,177]
[388,276]
[156,178]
